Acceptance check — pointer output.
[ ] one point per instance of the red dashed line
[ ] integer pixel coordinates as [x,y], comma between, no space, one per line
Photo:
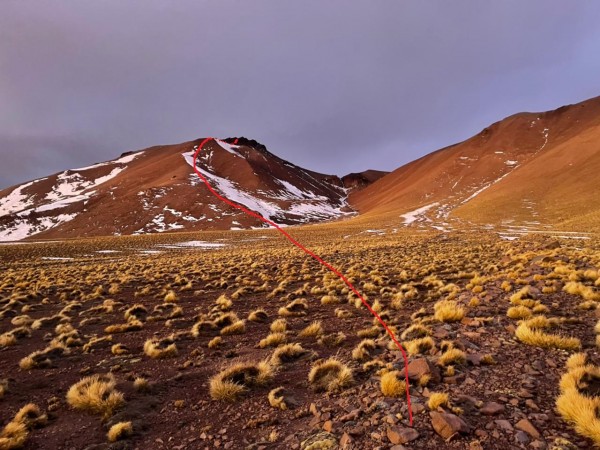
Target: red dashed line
[320,260]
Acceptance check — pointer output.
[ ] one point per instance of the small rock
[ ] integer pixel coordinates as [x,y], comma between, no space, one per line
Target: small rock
[527,426]
[491,409]
[422,366]
[521,437]
[328,426]
[504,425]
[448,425]
[345,441]
[401,435]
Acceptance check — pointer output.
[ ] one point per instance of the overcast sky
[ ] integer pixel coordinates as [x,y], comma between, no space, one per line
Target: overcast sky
[334,86]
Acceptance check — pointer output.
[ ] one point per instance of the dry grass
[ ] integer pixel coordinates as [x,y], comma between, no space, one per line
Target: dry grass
[448,311]
[96,394]
[232,382]
[363,350]
[259,315]
[276,400]
[273,340]
[287,353]
[418,346]
[519,312]
[120,431]
[452,356]
[437,400]
[238,327]
[538,338]
[392,384]
[279,326]
[578,406]
[313,330]
[330,375]
[160,348]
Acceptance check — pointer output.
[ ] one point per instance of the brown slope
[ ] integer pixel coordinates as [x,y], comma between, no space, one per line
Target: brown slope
[484,178]
[156,190]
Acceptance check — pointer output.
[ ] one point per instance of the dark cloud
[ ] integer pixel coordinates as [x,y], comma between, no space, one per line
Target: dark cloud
[335,86]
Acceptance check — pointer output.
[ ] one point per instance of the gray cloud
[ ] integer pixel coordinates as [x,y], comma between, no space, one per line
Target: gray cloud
[336,86]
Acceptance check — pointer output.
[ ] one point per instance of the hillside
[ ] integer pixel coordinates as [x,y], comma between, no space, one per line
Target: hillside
[156,190]
[528,172]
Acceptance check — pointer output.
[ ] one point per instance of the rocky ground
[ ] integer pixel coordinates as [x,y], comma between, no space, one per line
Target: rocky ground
[501,391]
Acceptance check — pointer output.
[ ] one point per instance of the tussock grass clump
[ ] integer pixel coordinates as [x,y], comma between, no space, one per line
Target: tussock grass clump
[7,339]
[276,400]
[3,387]
[97,342]
[238,327]
[371,332]
[437,400]
[170,297]
[448,311]
[204,328]
[418,346]
[330,300]
[452,356]
[278,326]
[415,331]
[579,402]
[133,325]
[363,350]
[287,353]
[312,330]
[215,342]
[330,375]
[580,289]
[13,436]
[136,312]
[273,340]
[141,384]
[160,348]
[519,312]
[538,338]
[392,384]
[223,303]
[119,349]
[31,416]
[342,313]
[96,394]
[296,308]
[232,382]
[42,359]
[259,315]
[332,339]
[120,431]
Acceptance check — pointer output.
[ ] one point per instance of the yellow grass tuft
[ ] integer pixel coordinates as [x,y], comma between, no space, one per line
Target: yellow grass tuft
[312,330]
[141,384]
[160,348]
[276,400]
[171,297]
[363,350]
[96,394]
[238,327]
[330,375]
[233,381]
[418,346]
[448,311]
[260,315]
[13,436]
[438,399]
[392,384]
[119,431]
[278,326]
[538,338]
[273,340]
[576,405]
[452,356]
[519,312]
[287,353]
[215,342]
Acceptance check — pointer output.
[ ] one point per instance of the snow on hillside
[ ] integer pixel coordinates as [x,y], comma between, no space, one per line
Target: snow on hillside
[306,205]
[71,186]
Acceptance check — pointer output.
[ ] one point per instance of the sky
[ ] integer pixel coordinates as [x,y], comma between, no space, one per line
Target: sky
[335,86]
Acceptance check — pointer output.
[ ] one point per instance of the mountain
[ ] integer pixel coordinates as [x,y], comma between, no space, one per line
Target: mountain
[156,190]
[529,172]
